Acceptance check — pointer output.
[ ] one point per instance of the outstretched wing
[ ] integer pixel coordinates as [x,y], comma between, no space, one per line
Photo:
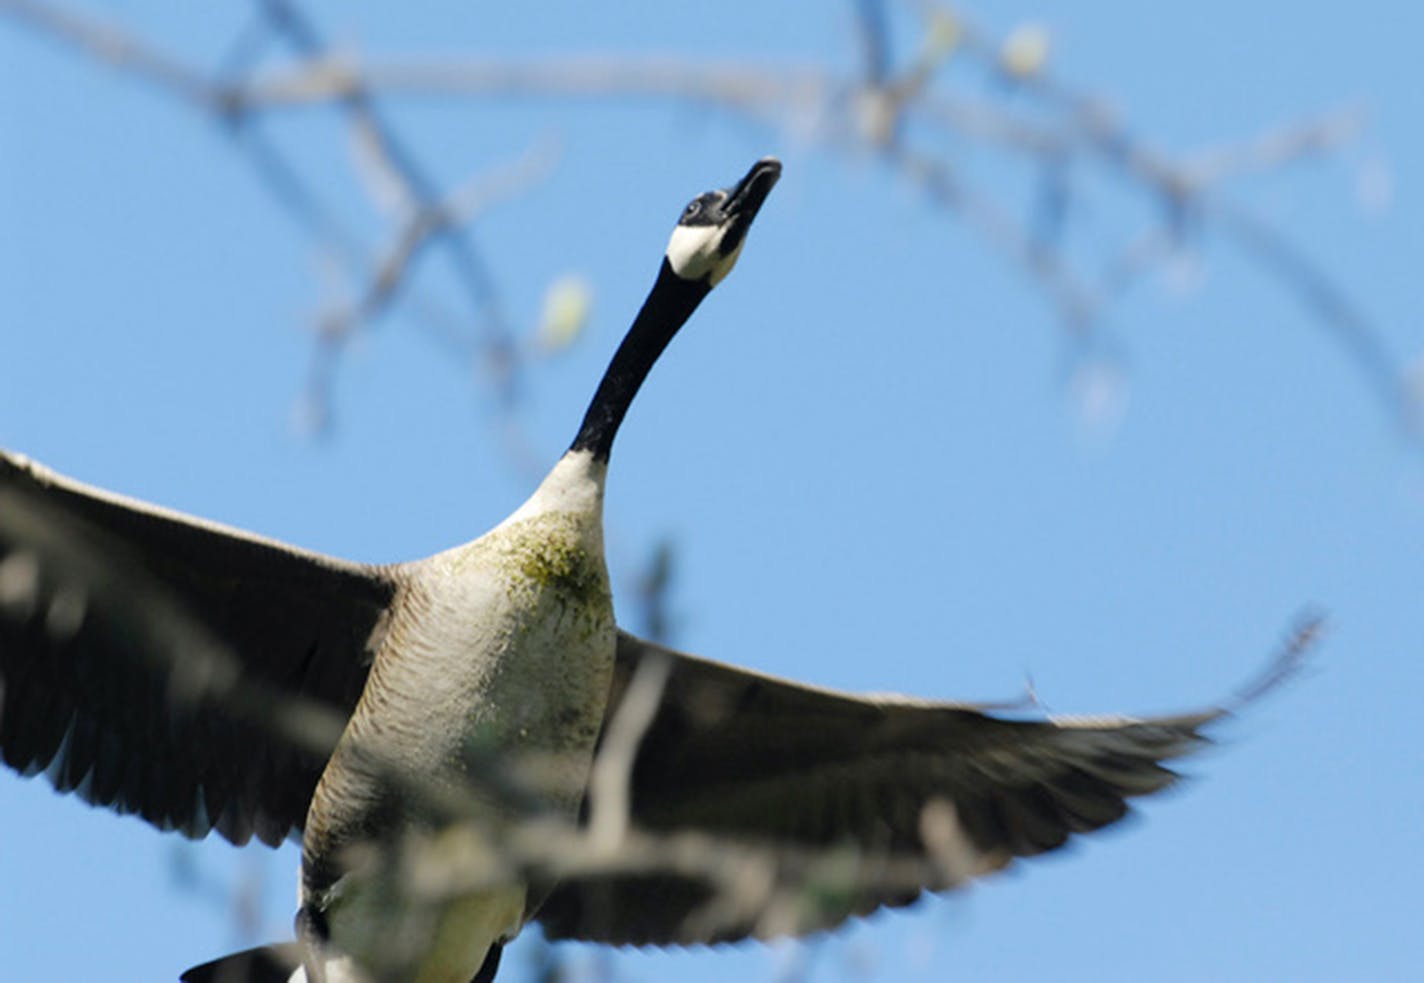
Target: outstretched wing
[157,664]
[813,806]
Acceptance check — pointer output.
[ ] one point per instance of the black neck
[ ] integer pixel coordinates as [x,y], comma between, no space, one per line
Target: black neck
[669,305]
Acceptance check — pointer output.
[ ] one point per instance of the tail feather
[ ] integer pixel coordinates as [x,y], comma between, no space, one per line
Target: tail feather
[265,964]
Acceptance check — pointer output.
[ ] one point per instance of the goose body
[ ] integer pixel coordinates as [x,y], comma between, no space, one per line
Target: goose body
[502,649]
[411,724]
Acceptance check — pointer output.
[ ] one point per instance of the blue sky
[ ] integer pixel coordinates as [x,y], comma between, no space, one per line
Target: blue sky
[863,448]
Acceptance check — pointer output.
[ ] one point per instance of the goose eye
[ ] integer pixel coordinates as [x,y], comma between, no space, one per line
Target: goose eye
[692,209]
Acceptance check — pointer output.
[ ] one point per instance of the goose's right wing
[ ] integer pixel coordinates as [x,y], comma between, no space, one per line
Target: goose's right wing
[811,806]
[157,664]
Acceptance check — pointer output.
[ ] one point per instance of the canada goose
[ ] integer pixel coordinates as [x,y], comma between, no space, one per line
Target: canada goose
[208,679]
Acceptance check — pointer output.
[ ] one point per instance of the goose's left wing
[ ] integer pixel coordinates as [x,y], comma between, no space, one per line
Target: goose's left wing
[158,664]
[809,806]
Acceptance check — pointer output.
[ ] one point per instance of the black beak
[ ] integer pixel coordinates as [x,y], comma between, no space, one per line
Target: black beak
[746,198]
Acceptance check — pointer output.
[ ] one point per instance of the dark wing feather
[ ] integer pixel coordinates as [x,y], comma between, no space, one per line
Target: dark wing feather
[847,803]
[157,664]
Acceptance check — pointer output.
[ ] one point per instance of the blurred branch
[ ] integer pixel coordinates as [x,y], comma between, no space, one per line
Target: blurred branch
[1330,305]
[124,51]
[899,110]
[428,221]
[1074,300]
[1086,127]
[431,221]
[652,591]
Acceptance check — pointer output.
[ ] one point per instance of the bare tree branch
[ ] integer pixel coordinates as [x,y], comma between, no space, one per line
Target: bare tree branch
[886,107]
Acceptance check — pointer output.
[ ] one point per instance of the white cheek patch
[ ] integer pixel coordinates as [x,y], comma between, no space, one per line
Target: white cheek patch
[692,253]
